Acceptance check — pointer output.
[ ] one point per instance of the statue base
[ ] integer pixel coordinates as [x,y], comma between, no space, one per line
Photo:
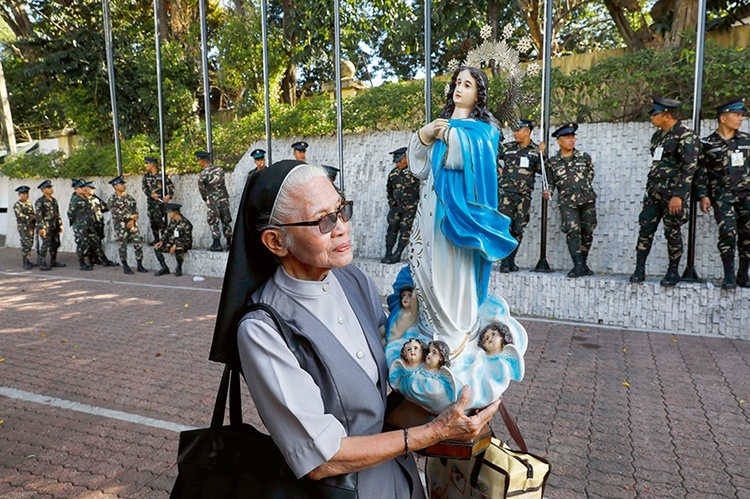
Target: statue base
[408,414]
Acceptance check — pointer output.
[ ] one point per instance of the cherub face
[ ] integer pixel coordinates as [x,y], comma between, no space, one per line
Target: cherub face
[492,341]
[433,359]
[406,299]
[413,353]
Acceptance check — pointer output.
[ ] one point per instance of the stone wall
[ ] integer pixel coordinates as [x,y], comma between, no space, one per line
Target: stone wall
[621,158]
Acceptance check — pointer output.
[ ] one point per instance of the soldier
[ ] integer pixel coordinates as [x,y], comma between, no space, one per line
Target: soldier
[724,181]
[300,150]
[333,172]
[81,217]
[152,188]
[572,172]
[49,226]
[177,240]
[214,192]
[403,195]
[516,183]
[25,223]
[674,151]
[259,157]
[97,235]
[125,223]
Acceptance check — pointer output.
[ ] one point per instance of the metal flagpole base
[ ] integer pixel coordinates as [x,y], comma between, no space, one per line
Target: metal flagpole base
[542,266]
[690,275]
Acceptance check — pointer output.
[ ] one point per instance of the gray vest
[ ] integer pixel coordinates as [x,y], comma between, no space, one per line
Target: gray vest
[348,392]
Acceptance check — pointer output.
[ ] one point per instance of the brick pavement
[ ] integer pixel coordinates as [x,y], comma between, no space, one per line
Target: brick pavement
[680,429]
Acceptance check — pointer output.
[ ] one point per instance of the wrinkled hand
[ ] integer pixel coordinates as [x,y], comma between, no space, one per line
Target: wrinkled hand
[434,130]
[705,205]
[546,194]
[454,424]
[675,205]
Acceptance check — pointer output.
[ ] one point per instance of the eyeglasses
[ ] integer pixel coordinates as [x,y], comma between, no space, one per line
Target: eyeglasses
[327,222]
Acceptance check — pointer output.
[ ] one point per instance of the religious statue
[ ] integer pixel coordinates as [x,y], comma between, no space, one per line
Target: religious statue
[458,234]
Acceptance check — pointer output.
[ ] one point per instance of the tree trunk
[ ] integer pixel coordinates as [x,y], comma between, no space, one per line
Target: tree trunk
[14,15]
[685,20]
[289,82]
[630,37]
[531,13]
[163,21]
[8,133]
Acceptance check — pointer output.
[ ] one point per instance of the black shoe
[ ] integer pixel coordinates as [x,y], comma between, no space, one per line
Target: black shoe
[578,269]
[586,269]
[140,267]
[26,264]
[43,264]
[672,277]
[54,263]
[742,273]
[229,243]
[639,275]
[110,263]
[126,268]
[730,281]
[505,265]
[83,265]
[386,258]
[162,271]
[513,266]
[216,246]
[178,271]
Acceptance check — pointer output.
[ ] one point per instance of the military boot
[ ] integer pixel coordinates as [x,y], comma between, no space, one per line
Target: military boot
[178,270]
[53,261]
[586,269]
[108,262]
[396,256]
[157,238]
[512,263]
[229,242]
[387,257]
[742,278]
[505,265]
[43,263]
[140,267]
[26,263]
[126,268]
[577,270]
[83,265]
[164,269]
[216,246]
[639,275]
[672,277]
[729,282]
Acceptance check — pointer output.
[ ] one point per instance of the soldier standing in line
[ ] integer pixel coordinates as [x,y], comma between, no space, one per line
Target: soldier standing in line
[333,172]
[723,180]
[572,172]
[674,151]
[403,196]
[49,226]
[25,223]
[259,158]
[299,149]
[81,219]
[177,240]
[152,188]
[213,190]
[125,222]
[97,235]
[516,184]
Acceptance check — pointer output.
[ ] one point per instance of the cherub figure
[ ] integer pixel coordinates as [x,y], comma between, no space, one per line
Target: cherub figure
[407,314]
[412,353]
[428,381]
[438,356]
[494,337]
[503,358]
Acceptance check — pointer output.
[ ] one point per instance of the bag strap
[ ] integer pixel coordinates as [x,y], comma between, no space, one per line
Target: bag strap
[230,379]
[513,429]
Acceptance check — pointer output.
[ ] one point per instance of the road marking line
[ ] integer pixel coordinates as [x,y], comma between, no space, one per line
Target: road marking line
[89,409]
[107,281]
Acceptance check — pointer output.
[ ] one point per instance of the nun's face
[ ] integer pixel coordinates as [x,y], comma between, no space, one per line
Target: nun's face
[312,254]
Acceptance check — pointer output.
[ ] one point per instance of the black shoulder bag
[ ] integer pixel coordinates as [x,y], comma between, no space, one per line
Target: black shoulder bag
[238,460]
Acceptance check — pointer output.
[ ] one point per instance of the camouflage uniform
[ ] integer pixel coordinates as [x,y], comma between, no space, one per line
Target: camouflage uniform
[179,233]
[157,215]
[403,196]
[124,210]
[97,235]
[48,219]
[516,183]
[81,218]
[573,177]
[26,223]
[670,176]
[213,190]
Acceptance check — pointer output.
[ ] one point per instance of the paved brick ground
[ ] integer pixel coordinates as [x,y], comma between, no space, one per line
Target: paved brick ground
[138,344]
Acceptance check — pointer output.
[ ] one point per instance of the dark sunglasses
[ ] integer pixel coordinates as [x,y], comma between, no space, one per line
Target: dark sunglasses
[327,222]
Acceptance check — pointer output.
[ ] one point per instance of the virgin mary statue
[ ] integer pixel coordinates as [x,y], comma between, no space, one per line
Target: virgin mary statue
[458,232]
